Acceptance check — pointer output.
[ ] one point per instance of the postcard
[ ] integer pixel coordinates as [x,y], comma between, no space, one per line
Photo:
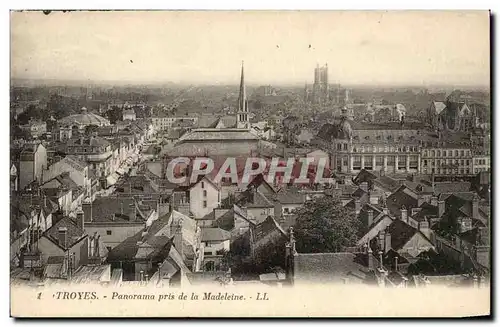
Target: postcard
[250,164]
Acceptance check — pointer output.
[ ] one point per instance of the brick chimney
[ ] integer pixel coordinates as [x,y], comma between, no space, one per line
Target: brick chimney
[423,227]
[387,242]
[357,206]
[441,208]
[404,214]
[475,207]
[87,211]
[63,236]
[370,217]
[178,241]
[381,239]
[80,219]
[369,253]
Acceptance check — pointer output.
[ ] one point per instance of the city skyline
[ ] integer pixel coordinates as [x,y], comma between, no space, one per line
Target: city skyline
[279,48]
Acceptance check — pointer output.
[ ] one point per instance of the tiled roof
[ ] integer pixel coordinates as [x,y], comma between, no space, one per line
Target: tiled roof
[290,196]
[387,183]
[62,180]
[268,226]
[139,184]
[452,187]
[402,197]
[91,274]
[328,267]
[119,209]
[74,233]
[207,135]
[364,176]
[401,233]
[209,234]
[92,141]
[426,210]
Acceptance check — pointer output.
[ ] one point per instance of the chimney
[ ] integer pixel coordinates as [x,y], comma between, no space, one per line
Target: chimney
[381,239]
[357,206]
[395,263]
[404,214]
[87,211]
[141,276]
[364,186]
[178,238]
[423,227]
[475,207]
[441,208]
[387,242]
[434,201]
[370,217]
[159,272]
[370,257]
[63,235]
[80,219]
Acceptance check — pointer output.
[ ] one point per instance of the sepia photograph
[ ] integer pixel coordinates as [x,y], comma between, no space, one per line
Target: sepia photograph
[250,163]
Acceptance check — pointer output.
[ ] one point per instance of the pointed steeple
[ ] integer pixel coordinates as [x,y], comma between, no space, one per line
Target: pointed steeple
[243,119]
[243,95]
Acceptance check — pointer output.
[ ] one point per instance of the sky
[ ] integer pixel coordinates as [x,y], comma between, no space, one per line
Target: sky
[376,47]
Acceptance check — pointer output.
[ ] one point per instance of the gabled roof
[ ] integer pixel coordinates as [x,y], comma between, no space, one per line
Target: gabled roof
[119,209]
[401,233]
[290,196]
[268,226]
[214,234]
[403,197]
[439,106]
[364,176]
[73,236]
[426,210]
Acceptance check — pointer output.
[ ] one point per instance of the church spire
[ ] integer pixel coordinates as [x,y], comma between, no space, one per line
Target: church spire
[243,120]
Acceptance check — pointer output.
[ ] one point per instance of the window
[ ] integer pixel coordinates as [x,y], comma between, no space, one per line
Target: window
[339,146]
[202,184]
[462,153]
[432,153]
[444,153]
[204,204]
[425,162]
[456,153]
[108,232]
[345,146]
[204,192]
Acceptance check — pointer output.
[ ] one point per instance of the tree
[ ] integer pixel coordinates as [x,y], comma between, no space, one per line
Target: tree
[324,225]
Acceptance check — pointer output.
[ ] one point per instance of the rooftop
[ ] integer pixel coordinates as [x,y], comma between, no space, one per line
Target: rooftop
[210,234]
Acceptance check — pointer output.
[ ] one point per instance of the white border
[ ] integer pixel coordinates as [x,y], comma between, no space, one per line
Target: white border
[200,4]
